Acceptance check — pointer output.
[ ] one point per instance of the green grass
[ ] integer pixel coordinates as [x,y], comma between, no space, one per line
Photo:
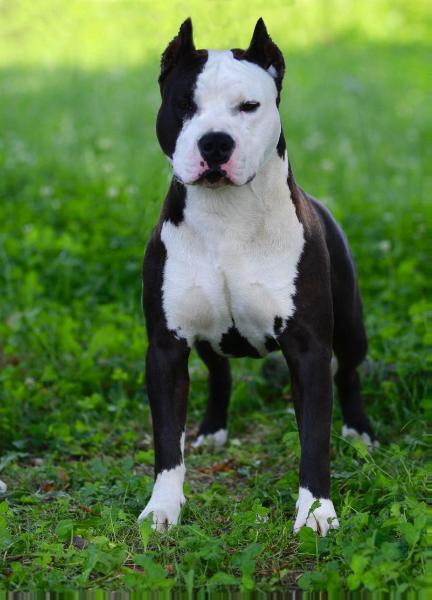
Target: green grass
[81,183]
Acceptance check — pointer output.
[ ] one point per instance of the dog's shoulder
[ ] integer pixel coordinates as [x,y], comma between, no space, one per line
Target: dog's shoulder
[321,229]
[308,211]
[336,242]
[155,254]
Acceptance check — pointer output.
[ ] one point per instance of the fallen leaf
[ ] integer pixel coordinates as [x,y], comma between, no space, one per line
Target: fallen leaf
[226,465]
[48,486]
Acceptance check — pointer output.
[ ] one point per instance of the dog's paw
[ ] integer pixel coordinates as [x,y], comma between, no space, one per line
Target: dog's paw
[165,515]
[320,519]
[218,438]
[167,499]
[3,487]
[350,432]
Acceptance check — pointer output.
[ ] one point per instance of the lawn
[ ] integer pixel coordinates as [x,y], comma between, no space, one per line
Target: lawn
[81,183]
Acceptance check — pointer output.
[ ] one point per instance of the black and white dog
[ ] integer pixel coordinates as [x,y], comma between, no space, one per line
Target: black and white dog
[241,263]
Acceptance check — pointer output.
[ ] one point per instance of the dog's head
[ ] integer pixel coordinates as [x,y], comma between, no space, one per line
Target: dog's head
[219,120]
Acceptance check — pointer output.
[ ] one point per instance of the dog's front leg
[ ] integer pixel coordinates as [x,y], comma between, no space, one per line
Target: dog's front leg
[309,362]
[167,387]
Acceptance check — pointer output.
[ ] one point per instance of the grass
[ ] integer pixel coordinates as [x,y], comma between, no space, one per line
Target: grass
[81,184]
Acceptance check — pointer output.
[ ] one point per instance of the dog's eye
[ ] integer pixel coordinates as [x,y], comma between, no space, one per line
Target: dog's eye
[185,104]
[250,106]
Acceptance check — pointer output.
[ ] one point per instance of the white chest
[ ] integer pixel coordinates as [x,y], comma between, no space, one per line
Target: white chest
[231,265]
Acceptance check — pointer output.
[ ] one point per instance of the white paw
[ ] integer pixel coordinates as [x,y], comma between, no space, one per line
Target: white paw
[353,433]
[218,438]
[164,515]
[321,519]
[166,500]
[3,487]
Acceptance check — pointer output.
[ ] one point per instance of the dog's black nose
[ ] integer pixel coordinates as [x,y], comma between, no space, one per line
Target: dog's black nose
[216,148]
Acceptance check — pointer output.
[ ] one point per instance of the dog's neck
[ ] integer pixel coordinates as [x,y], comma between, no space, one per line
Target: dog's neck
[261,195]
[260,209]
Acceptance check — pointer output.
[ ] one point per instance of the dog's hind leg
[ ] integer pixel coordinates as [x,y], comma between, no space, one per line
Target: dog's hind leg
[213,428]
[349,336]
[350,347]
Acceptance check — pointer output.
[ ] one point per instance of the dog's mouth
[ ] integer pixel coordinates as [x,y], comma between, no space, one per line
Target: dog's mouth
[214,178]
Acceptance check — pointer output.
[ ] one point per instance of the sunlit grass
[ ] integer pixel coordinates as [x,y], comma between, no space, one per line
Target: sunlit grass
[128,32]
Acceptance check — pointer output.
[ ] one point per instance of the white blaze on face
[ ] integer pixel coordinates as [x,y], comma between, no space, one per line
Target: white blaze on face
[223,85]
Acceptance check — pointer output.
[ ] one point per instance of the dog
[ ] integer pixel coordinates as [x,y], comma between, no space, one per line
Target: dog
[241,263]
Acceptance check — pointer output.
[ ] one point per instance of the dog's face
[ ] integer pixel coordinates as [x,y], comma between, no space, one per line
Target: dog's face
[219,120]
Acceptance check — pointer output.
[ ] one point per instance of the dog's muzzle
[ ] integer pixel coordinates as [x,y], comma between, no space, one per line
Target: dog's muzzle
[214,178]
[216,148]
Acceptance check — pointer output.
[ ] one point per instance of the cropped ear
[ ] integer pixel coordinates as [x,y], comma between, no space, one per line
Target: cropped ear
[264,52]
[181,45]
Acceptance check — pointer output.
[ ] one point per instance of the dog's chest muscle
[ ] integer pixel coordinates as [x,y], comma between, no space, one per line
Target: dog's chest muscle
[231,268]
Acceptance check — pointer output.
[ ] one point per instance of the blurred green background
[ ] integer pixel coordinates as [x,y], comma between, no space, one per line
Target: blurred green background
[82,180]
